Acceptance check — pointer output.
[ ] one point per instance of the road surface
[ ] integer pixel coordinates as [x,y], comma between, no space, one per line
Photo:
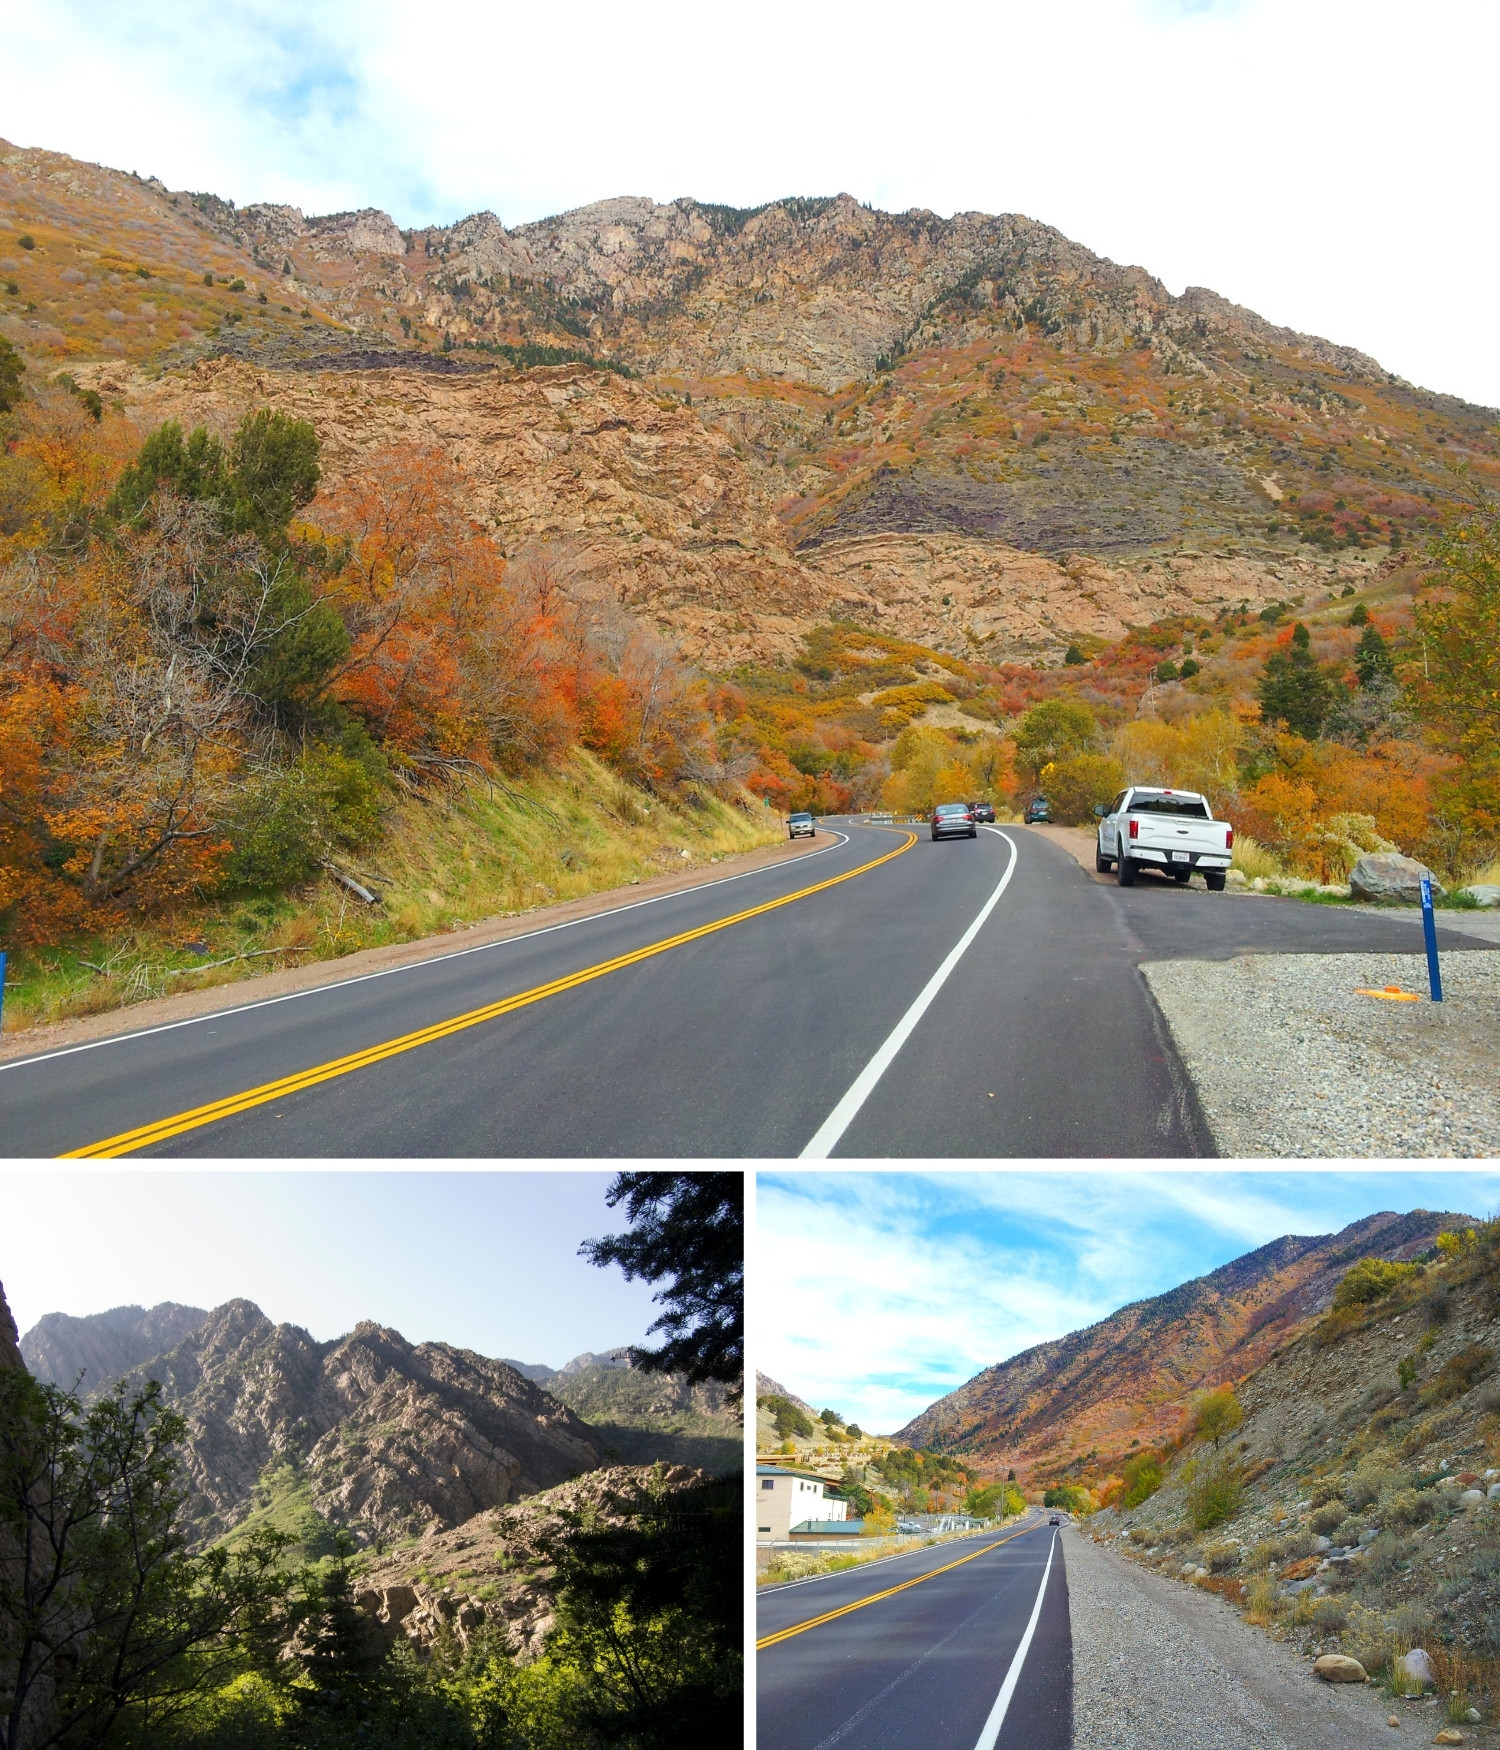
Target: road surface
[883,996]
[964,1646]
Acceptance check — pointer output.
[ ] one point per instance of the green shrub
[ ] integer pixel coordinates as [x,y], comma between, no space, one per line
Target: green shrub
[1142,1476]
[290,818]
[12,369]
[1371,1279]
[1215,1494]
[1409,1507]
[788,1418]
[1216,1414]
[1076,783]
[1327,1518]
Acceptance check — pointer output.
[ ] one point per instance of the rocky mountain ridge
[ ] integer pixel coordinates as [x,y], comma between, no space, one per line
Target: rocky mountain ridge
[90,1353]
[972,432]
[1084,1400]
[373,1434]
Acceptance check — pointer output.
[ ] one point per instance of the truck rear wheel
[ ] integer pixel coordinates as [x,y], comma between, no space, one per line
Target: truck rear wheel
[1125,870]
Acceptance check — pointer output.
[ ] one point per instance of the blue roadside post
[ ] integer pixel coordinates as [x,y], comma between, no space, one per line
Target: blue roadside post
[2,991]
[1429,930]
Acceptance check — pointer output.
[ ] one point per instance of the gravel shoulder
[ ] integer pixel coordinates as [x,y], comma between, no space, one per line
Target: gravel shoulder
[1162,1666]
[1290,1061]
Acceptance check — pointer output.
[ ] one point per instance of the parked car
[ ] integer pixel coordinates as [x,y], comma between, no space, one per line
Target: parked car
[1037,810]
[953,820]
[801,826]
[1171,830]
[983,812]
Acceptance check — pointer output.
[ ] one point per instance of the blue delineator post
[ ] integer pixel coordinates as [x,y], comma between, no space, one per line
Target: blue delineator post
[1429,930]
[2,990]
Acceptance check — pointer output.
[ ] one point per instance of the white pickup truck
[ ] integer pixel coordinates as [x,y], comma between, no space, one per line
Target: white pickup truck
[1171,830]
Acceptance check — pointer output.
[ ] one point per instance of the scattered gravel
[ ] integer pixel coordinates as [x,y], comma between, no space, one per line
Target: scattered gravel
[1162,1666]
[1289,1061]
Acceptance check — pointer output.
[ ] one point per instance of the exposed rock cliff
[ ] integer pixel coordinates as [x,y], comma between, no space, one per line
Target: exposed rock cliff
[387,1438]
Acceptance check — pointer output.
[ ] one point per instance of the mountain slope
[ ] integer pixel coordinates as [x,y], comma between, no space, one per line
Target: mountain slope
[370,1432]
[972,431]
[651,1417]
[102,1347]
[1092,1393]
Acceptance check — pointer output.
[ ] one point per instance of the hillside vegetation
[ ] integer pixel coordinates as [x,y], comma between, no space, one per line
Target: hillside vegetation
[646,1417]
[1340,1494]
[890,482]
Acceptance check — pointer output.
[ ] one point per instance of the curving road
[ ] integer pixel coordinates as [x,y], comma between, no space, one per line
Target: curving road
[884,996]
[965,1646]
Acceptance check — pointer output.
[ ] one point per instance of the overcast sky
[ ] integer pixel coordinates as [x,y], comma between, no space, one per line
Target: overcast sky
[486,1261]
[880,1292]
[1329,163]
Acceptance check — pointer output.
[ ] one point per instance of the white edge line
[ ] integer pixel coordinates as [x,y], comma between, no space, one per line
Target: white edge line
[844,1114]
[411,965]
[1012,1677]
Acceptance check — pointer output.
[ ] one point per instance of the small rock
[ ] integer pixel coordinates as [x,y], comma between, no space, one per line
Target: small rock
[1416,1667]
[1339,1668]
[1449,1736]
[1387,875]
[1474,1715]
[1493,1492]
[1322,1545]
[1471,1497]
[1393,1721]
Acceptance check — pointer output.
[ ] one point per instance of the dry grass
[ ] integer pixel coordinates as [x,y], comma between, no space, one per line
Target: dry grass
[1252,859]
[467,855]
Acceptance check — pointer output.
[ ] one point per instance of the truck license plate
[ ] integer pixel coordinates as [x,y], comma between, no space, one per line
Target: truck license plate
[1179,856]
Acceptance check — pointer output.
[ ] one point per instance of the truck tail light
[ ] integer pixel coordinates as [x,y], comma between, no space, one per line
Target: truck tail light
[1229,839]
[1135,829]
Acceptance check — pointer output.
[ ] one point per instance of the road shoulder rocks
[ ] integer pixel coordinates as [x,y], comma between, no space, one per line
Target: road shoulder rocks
[1290,1061]
[1159,1666]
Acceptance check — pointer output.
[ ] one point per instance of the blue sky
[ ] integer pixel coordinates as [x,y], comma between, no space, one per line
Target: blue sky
[877,1293]
[485,1260]
[1326,162]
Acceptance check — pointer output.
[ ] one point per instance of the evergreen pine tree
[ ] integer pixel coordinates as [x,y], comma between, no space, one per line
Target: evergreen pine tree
[1372,657]
[1293,689]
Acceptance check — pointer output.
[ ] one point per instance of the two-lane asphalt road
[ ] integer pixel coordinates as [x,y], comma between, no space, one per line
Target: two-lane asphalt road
[884,996]
[964,1646]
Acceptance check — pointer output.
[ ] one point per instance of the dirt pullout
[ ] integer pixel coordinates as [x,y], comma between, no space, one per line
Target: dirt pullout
[1160,1666]
[164,1011]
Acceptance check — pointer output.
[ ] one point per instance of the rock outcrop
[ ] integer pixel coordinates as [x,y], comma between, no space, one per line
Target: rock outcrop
[493,1569]
[383,1437]
[98,1349]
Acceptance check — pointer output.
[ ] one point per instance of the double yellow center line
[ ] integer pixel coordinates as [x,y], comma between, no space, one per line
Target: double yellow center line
[146,1135]
[800,1628]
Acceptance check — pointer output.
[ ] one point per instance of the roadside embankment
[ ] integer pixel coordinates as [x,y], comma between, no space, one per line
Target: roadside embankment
[1161,1666]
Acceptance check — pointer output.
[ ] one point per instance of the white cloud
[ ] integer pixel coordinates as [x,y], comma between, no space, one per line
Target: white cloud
[1328,165]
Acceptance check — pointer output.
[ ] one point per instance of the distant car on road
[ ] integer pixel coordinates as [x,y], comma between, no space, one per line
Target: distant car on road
[953,820]
[1037,810]
[801,826]
[1170,830]
[983,812]
[1056,1519]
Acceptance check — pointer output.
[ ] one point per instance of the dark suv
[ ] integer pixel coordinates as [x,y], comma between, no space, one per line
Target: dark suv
[953,820]
[983,812]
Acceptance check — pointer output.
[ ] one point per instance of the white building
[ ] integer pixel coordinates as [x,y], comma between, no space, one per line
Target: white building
[785,1498]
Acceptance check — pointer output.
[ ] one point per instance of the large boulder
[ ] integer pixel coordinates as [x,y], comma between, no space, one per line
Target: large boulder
[1388,876]
[1339,1668]
[1416,1667]
[1486,893]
